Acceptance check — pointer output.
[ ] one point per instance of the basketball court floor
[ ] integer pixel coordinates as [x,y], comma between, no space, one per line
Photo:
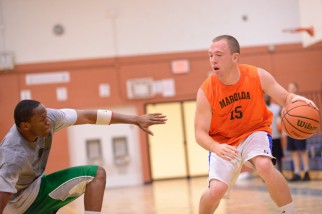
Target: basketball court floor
[181,196]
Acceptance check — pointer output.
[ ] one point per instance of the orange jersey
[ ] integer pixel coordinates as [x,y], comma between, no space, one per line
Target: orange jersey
[237,110]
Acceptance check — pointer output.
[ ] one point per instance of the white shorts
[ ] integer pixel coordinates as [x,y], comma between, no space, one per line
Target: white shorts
[258,143]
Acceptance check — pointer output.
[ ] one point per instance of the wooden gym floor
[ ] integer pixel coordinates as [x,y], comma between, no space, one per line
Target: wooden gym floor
[181,196]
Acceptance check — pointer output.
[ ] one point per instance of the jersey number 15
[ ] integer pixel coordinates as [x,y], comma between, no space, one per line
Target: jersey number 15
[236,113]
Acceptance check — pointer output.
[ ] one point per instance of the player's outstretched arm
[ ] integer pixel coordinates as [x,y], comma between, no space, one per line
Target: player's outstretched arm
[142,121]
[4,198]
[106,117]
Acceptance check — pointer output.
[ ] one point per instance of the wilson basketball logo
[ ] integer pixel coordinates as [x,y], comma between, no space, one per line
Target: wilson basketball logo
[305,125]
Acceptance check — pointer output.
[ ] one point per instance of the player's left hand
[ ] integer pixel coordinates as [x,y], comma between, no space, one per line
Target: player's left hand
[144,121]
[301,98]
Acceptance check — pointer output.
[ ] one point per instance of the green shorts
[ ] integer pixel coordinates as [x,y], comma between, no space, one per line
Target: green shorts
[60,188]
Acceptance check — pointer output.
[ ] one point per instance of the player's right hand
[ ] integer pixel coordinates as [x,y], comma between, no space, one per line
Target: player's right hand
[226,152]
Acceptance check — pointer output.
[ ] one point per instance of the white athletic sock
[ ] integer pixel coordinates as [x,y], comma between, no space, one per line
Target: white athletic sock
[297,171]
[288,208]
[92,212]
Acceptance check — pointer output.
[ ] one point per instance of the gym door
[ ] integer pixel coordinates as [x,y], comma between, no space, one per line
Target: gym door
[174,152]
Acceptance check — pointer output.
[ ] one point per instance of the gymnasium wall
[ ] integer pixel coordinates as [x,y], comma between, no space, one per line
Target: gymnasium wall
[112,41]
[107,28]
[287,63]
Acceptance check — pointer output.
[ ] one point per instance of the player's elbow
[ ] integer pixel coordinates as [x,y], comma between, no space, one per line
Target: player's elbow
[199,136]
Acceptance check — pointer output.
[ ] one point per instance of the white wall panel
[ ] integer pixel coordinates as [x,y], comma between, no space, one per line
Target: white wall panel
[125,175]
[105,28]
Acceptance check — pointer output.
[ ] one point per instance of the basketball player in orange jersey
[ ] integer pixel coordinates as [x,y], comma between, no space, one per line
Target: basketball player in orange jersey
[233,123]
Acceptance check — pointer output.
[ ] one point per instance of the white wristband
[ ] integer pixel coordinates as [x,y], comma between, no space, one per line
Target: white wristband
[103,117]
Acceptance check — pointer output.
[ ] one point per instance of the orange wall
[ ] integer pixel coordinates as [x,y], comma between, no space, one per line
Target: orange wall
[287,63]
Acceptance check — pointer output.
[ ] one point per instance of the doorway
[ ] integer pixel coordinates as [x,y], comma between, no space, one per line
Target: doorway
[173,150]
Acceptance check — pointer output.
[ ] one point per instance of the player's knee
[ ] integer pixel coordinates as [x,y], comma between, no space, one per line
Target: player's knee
[264,166]
[218,190]
[101,174]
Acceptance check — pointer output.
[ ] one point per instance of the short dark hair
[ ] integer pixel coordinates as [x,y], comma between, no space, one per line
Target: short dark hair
[24,111]
[232,42]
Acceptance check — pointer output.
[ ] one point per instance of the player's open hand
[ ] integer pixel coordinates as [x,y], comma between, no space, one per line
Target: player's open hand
[226,152]
[301,98]
[144,121]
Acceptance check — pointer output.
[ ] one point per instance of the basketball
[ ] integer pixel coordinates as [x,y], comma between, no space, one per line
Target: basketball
[300,120]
